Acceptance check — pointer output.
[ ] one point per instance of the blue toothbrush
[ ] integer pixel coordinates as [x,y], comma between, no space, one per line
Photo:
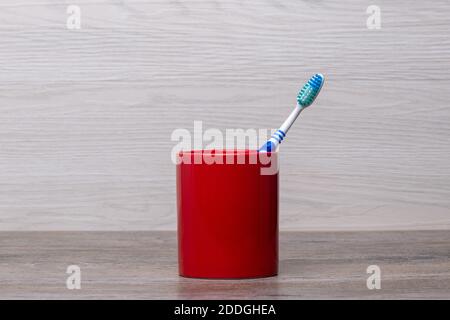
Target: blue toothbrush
[305,98]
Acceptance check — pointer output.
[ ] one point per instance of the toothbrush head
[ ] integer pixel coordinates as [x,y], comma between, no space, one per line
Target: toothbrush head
[310,91]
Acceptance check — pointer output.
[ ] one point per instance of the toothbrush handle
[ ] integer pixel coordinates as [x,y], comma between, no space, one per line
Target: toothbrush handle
[279,135]
[290,120]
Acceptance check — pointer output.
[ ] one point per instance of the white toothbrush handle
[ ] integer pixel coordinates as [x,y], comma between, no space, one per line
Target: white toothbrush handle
[279,135]
[291,119]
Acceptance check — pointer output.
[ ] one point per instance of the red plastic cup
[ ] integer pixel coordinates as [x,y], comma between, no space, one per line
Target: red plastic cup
[227,214]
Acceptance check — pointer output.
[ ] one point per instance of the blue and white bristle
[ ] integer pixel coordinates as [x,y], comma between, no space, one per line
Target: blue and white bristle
[310,91]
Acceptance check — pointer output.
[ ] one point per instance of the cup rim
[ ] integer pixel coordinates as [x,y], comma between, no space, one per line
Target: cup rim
[223,151]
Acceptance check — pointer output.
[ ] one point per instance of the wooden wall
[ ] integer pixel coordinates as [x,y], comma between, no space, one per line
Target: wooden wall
[86,115]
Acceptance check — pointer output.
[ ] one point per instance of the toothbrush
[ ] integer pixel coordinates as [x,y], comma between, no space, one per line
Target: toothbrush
[305,98]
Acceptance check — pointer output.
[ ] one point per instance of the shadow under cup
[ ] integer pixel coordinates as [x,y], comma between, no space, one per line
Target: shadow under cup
[227,214]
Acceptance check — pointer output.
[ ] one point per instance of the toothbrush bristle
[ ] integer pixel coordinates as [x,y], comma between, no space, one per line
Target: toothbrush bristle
[310,90]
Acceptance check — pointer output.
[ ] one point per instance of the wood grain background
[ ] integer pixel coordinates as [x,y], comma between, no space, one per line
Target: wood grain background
[86,115]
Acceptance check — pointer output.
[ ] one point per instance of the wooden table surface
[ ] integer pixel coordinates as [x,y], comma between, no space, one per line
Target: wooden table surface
[143,265]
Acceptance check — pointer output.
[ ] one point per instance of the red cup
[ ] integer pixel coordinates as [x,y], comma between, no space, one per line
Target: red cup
[227,214]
